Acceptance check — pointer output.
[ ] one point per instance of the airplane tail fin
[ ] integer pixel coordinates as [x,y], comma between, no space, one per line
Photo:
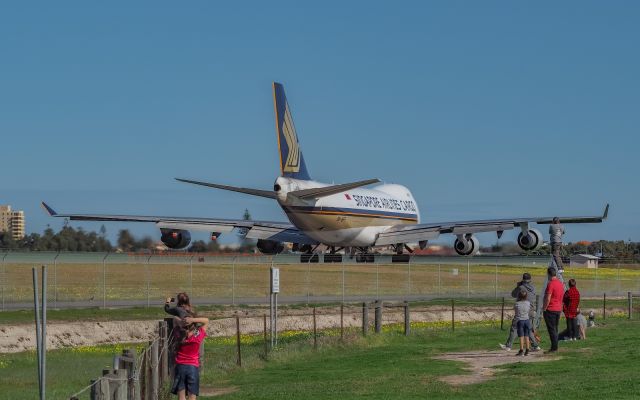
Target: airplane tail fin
[291,160]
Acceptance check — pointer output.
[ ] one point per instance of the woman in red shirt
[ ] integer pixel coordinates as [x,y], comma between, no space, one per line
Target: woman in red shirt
[570,304]
[187,373]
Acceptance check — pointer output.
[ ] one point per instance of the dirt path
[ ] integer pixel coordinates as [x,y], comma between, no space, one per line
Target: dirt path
[482,365]
[21,337]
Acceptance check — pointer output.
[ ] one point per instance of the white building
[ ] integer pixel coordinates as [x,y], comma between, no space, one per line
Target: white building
[12,222]
[584,260]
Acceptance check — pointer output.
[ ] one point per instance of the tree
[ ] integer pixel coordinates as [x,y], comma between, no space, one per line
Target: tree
[126,241]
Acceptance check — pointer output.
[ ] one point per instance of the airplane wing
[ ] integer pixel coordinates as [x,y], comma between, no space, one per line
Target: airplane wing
[277,231]
[420,232]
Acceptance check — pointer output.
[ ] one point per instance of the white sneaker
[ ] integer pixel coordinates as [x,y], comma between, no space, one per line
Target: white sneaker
[503,347]
[537,348]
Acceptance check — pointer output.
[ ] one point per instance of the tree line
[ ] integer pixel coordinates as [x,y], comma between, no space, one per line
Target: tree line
[72,239]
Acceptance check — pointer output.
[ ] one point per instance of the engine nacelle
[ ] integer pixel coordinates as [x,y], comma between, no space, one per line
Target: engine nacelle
[269,246]
[466,246]
[531,240]
[175,238]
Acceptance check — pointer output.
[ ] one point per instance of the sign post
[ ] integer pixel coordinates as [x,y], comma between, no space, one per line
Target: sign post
[273,310]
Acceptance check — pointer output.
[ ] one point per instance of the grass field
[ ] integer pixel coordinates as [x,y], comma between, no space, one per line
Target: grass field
[379,366]
[92,283]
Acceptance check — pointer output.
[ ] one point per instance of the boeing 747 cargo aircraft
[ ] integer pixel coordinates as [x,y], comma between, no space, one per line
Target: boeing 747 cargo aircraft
[346,216]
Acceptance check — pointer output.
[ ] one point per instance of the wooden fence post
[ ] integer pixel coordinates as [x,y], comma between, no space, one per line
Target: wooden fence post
[129,364]
[164,352]
[342,322]
[239,360]
[407,319]
[119,385]
[604,306]
[629,303]
[170,355]
[315,330]
[453,315]
[378,315]
[365,319]
[103,389]
[264,333]
[155,384]
[502,316]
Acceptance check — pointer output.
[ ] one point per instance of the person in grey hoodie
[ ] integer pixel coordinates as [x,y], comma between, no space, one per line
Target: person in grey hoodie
[526,285]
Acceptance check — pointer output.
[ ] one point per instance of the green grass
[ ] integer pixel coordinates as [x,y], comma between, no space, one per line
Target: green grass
[378,366]
[392,366]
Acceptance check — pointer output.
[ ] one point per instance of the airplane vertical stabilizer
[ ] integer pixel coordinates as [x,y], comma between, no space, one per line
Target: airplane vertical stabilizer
[291,160]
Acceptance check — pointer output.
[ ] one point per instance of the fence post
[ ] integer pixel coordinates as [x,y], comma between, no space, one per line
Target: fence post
[130,366]
[239,360]
[164,359]
[407,319]
[169,350]
[315,330]
[120,387]
[154,370]
[604,306]
[502,315]
[264,333]
[629,300]
[104,387]
[378,315]
[365,319]
[453,315]
[342,322]
[36,309]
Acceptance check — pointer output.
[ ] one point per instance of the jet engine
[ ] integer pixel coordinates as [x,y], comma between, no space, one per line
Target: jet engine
[466,245]
[269,246]
[175,238]
[530,240]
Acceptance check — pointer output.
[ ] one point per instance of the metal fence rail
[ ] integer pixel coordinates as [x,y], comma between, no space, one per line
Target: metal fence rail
[108,280]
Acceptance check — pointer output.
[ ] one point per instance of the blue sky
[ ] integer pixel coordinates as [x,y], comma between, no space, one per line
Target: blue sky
[484,109]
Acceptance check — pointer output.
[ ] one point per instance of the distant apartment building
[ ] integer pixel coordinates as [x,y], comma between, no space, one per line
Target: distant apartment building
[12,222]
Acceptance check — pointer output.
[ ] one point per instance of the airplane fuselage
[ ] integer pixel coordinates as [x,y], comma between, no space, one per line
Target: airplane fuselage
[351,218]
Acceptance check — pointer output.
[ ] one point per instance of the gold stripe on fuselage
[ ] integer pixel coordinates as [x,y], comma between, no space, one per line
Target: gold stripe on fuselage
[335,220]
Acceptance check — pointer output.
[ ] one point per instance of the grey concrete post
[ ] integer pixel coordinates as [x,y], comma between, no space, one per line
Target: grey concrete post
[36,307]
[43,335]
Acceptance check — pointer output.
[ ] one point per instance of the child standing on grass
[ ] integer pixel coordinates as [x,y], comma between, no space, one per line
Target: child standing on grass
[186,379]
[523,325]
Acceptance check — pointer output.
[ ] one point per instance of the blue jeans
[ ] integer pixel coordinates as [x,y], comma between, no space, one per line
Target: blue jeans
[187,377]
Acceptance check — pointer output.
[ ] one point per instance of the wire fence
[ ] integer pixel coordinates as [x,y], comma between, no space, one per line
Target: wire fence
[244,340]
[111,280]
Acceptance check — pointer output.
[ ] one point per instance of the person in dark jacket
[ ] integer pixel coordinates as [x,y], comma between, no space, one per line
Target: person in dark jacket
[570,304]
[526,285]
[182,307]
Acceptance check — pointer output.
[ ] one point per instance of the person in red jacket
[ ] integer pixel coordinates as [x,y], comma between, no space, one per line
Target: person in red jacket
[552,307]
[570,304]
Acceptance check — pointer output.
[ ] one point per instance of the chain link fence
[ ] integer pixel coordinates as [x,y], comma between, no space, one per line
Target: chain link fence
[111,280]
